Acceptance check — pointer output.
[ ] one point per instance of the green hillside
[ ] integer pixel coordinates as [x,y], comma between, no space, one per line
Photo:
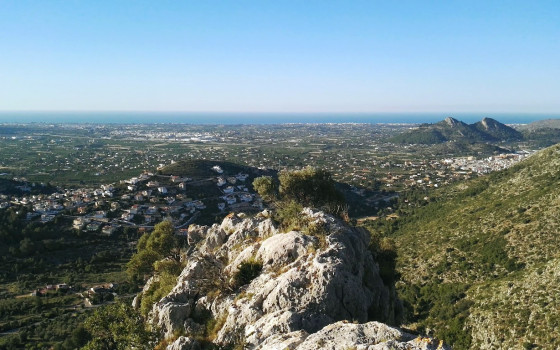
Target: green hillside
[542,124]
[198,168]
[542,137]
[480,263]
[13,187]
[424,135]
[455,148]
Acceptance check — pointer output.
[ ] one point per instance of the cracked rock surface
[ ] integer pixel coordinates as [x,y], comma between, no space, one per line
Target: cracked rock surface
[319,291]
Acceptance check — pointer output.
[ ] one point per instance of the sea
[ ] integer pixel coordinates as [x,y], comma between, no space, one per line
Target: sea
[258,118]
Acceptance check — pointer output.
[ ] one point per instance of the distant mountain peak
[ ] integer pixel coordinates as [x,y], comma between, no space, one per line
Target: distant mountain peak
[451,129]
[497,130]
[451,121]
[488,123]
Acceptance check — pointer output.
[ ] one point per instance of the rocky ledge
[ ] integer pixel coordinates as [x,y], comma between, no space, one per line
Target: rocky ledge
[263,289]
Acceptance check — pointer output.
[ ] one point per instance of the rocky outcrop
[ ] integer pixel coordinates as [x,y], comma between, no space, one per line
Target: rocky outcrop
[343,335]
[307,291]
[339,335]
[184,343]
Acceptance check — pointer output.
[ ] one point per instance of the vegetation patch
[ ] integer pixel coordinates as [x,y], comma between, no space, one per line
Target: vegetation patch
[309,187]
[443,308]
[159,244]
[247,271]
[166,273]
[119,326]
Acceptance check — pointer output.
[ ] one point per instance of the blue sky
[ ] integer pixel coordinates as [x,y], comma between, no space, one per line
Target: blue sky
[280,56]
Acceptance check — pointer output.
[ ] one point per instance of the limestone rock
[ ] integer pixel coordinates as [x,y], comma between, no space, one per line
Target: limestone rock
[200,276]
[184,343]
[169,316]
[344,335]
[308,285]
[215,237]
[283,249]
[196,233]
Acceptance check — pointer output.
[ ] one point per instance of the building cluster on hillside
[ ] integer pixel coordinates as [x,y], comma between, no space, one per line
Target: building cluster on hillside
[435,173]
[97,294]
[488,164]
[141,201]
[146,199]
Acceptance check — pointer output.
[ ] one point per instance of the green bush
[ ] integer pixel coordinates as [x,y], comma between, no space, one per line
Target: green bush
[158,244]
[166,272]
[266,187]
[288,215]
[311,187]
[119,326]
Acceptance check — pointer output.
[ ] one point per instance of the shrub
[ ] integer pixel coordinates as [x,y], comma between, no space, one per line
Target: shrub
[266,187]
[288,215]
[119,326]
[166,272]
[152,247]
[311,187]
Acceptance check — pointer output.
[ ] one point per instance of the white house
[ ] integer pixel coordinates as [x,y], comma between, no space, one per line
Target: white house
[100,214]
[217,169]
[135,209]
[107,187]
[108,229]
[151,210]
[230,199]
[221,181]
[242,176]
[127,216]
[246,197]
[78,223]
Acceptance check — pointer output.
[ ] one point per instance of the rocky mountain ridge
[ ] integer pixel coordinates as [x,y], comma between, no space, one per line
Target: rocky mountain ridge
[315,288]
[450,129]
